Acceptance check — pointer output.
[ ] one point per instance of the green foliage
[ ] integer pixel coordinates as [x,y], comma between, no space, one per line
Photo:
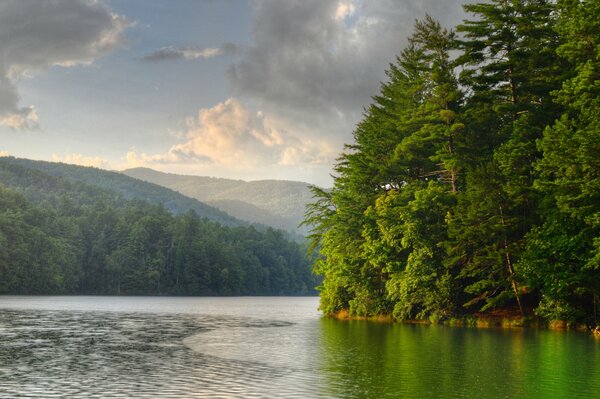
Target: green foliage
[72,238]
[413,223]
[410,136]
[462,198]
[60,176]
[562,260]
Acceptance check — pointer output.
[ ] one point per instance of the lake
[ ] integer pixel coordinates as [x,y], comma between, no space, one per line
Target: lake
[267,347]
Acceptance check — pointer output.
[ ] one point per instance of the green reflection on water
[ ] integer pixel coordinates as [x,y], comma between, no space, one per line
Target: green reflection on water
[370,360]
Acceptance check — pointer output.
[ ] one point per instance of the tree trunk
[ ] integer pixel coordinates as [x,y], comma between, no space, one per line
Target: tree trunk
[511,270]
[454,180]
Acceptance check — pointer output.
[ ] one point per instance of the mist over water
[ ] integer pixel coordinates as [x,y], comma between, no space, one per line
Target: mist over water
[271,347]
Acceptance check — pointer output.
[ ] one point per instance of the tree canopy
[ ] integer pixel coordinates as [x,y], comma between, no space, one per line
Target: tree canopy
[472,183]
[59,236]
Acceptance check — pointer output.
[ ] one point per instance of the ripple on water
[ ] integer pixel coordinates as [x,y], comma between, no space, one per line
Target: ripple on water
[142,355]
[239,351]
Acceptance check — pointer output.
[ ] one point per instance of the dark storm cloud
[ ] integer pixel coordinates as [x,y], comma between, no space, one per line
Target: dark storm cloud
[35,35]
[321,61]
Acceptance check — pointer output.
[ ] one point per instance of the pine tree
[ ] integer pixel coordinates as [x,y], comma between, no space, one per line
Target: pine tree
[411,134]
[563,258]
[511,70]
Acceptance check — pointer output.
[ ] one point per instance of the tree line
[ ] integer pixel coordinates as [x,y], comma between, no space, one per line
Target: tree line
[59,237]
[473,182]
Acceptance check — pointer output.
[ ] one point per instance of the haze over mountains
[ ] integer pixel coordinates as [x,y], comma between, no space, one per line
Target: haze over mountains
[67,229]
[276,203]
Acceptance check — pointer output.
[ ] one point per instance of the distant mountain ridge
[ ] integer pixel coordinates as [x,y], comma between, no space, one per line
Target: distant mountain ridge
[68,229]
[27,175]
[277,203]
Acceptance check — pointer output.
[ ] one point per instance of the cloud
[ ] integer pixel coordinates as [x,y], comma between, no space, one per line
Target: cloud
[172,53]
[4,154]
[36,35]
[189,53]
[344,9]
[300,86]
[311,67]
[318,63]
[230,135]
[78,159]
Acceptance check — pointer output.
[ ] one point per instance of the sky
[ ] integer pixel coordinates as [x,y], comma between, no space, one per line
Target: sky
[242,89]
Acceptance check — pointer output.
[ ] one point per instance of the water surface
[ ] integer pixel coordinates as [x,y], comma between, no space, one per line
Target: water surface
[272,347]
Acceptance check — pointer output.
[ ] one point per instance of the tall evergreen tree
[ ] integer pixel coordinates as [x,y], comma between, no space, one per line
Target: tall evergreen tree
[563,258]
[510,67]
[411,134]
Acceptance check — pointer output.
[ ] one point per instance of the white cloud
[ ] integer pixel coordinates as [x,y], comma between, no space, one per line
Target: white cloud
[192,54]
[189,53]
[307,153]
[344,10]
[314,65]
[310,68]
[37,35]
[78,159]
[23,118]
[226,134]
[230,135]
[172,53]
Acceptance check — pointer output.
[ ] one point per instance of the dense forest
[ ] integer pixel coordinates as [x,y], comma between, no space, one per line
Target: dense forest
[59,236]
[473,183]
[127,187]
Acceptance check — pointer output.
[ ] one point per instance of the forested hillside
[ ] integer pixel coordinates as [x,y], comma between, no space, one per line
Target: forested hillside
[473,183]
[59,236]
[128,187]
[275,203]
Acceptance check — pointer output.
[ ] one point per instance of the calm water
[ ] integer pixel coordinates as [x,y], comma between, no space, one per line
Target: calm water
[272,347]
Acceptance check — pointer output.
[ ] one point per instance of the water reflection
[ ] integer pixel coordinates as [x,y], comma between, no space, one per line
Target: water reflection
[365,359]
[265,348]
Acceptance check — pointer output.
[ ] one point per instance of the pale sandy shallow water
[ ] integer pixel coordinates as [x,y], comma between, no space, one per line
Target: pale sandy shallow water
[81,347]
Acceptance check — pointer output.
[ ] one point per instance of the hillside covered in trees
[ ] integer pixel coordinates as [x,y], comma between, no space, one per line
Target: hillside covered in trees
[473,183]
[276,203]
[62,236]
[127,187]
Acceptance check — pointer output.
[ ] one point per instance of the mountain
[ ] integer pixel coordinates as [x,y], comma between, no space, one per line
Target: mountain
[61,235]
[37,179]
[277,203]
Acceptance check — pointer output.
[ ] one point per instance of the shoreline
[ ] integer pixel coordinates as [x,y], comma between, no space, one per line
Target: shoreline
[477,321]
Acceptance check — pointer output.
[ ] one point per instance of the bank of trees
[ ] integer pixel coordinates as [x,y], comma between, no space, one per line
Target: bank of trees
[473,182]
[96,243]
